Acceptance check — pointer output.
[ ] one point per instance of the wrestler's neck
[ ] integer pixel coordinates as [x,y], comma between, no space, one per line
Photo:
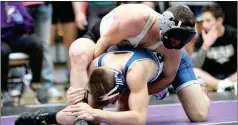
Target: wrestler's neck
[152,37]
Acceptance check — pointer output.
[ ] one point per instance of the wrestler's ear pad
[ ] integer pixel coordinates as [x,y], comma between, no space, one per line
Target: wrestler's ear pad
[183,35]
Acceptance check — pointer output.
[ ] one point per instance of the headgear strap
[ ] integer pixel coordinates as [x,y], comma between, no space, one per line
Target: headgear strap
[118,81]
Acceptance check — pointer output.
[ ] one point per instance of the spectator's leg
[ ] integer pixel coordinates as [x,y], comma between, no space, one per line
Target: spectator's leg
[52,35]
[70,35]
[212,82]
[97,12]
[43,23]
[31,45]
[209,80]
[5,52]
[54,21]
[67,19]
[233,78]
[6,98]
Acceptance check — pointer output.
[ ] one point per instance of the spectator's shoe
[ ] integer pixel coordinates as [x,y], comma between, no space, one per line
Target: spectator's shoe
[41,95]
[67,86]
[48,94]
[7,100]
[54,95]
[68,81]
[17,90]
[223,85]
[162,94]
[37,118]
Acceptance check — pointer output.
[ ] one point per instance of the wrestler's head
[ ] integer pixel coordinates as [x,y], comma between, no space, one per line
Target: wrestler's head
[105,85]
[177,27]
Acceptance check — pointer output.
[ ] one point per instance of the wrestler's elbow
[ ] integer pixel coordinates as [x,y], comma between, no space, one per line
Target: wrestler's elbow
[170,79]
[167,80]
[200,114]
[140,119]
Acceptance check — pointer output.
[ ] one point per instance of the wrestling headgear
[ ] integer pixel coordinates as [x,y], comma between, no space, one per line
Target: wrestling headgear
[118,82]
[173,35]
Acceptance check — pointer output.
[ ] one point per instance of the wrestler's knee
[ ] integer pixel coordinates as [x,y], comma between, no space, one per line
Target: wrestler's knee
[200,113]
[198,116]
[81,52]
[195,102]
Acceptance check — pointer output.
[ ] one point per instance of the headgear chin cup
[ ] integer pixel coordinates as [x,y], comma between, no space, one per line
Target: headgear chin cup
[174,36]
[118,81]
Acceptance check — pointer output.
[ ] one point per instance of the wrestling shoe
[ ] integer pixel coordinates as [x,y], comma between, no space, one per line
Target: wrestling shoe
[81,122]
[162,94]
[223,85]
[40,117]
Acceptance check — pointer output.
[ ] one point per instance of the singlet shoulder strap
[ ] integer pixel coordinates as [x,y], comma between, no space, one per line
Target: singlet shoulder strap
[147,26]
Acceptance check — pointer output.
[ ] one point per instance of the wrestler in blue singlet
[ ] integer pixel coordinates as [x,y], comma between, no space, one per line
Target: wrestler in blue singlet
[138,55]
[185,75]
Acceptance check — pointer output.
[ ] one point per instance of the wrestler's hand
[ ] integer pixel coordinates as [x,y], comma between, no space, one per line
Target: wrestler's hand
[81,111]
[210,37]
[74,96]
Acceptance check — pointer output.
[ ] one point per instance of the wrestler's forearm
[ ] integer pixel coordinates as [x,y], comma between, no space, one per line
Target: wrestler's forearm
[118,118]
[159,85]
[100,47]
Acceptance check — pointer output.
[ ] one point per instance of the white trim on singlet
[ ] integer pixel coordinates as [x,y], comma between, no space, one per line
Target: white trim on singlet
[155,76]
[153,47]
[191,82]
[160,66]
[115,52]
[156,61]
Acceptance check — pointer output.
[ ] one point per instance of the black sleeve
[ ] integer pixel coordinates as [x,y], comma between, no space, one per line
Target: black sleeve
[234,35]
[231,34]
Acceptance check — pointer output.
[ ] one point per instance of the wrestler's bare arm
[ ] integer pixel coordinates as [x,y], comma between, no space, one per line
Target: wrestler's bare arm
[128,23]
[171,65]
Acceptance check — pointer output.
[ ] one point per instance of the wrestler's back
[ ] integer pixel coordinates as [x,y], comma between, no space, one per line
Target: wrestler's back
[132,18]
[118,60]
[133,14]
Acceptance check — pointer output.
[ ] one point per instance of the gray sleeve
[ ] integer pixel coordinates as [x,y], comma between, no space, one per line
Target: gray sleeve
[198,58]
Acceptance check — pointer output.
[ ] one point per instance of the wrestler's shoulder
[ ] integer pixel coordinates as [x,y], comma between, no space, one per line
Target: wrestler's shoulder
[133,11]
